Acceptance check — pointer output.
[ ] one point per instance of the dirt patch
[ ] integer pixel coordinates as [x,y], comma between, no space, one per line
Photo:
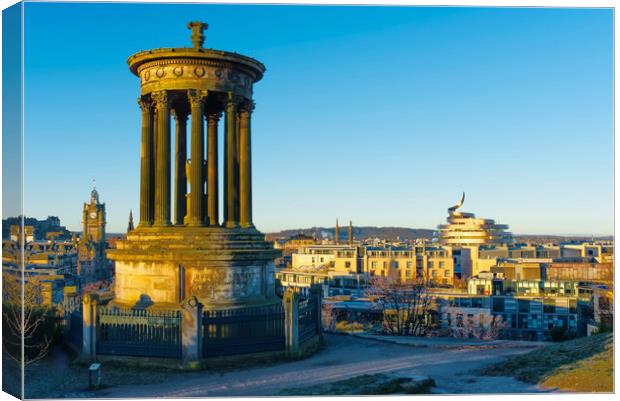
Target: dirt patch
[376,384]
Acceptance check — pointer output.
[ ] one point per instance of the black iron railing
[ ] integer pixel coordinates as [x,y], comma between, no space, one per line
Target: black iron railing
[243,331]
[307,318]
[131,332]
[75,331]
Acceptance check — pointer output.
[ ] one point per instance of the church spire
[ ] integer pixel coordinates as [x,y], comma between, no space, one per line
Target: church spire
[350,233]
[130,225]
[336,233]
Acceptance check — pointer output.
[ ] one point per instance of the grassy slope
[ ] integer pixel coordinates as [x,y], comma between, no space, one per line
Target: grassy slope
[581,365]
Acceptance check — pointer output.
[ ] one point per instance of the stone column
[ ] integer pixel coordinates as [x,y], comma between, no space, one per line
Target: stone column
[236,171]
[291,321]
[230,194]
[162,161]
[147,168]
[191,332]
[212,166]
[245,166]
[195,217]
[89,326]
[180,157]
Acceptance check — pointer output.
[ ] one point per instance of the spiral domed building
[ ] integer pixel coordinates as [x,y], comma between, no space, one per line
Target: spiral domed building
[464,229]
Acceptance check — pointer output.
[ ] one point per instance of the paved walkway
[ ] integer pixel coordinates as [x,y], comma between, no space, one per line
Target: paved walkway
[344,357]
[448,342]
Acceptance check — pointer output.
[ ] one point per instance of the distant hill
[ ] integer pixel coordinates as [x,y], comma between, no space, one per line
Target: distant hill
[405,233]
[390,233]
[543,238]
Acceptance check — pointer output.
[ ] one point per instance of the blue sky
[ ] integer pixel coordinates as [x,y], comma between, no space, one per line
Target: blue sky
[380,115]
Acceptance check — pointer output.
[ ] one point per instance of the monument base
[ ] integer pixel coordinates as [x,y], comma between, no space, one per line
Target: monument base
[159,267]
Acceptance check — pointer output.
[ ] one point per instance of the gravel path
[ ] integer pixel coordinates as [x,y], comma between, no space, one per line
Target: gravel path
[454,370]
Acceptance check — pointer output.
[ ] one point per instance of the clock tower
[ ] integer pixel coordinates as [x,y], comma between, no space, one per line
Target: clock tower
[93,219]
[92,263]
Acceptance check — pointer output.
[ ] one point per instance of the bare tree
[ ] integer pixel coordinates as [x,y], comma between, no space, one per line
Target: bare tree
[328,319]
[404,306]
[488,327]
[32,325]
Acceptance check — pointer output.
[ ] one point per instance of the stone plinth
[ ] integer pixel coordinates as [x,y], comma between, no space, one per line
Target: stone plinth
[221,267]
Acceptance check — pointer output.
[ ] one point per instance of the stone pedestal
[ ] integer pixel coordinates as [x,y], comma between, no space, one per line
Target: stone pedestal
[222,268]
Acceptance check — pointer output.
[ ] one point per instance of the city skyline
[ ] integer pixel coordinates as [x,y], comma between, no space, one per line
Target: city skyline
[496,102]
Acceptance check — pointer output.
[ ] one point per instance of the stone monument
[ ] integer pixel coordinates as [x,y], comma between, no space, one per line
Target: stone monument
[180,248]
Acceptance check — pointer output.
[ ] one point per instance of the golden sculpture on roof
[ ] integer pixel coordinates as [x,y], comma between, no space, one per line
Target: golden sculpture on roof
[458,205]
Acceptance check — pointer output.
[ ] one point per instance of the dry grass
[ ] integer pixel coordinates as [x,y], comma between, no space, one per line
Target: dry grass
[594,374]
[581,365]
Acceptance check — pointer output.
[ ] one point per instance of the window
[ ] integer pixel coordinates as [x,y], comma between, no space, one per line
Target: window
[373,265]
[384,264]
[446,273]
[396,264]
[498,304]
[549,308]
[434,273]
[442,265]
[409,264]
[347,264]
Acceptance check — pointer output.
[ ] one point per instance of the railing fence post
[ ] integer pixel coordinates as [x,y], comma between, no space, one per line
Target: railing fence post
[316,292]
[89,326]
[291,321]
[191,332]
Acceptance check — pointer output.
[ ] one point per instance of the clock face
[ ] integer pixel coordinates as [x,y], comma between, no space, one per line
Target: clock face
[93,215]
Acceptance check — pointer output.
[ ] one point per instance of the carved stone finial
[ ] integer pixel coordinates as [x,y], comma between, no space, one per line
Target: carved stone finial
[190,303]
[197,28]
